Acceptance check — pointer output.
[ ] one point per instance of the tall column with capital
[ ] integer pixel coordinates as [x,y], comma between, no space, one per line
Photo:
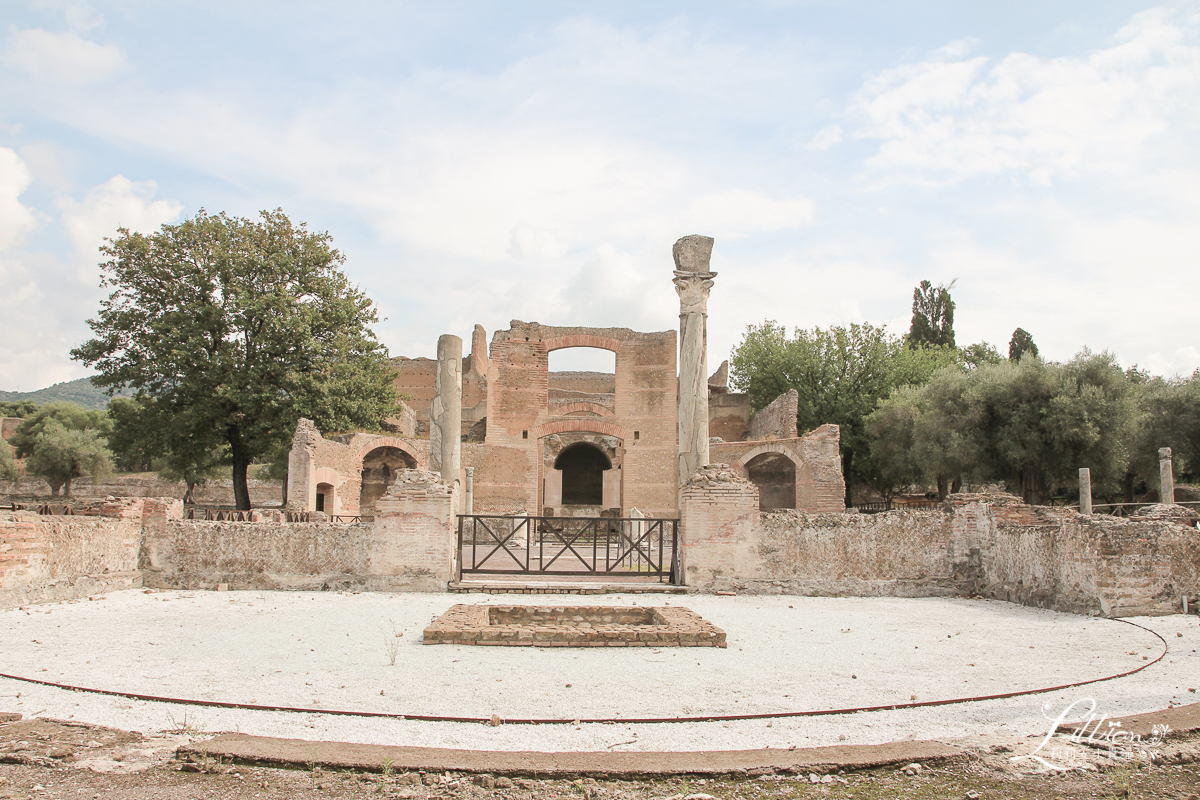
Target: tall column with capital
[693,280]
[445,415]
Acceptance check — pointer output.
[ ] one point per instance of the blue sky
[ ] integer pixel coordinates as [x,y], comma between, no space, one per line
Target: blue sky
[483,162]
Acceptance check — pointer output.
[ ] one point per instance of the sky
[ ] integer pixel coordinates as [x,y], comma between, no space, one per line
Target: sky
[488,161]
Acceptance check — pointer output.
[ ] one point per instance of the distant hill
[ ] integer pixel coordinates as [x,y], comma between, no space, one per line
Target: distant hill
[81,392]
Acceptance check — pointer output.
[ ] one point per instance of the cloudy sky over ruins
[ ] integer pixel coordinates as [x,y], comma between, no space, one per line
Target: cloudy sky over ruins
[480,162]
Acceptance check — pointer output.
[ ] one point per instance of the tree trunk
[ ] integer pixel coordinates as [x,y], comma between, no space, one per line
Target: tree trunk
[942,487]
[956,486]
[188,498]
[67,488]
[241,491]
[55,487]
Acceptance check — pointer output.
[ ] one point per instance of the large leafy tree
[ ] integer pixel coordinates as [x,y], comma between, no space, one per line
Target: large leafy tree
[142,436]
[932,316]
[229,330]
[840,374]
[8,464]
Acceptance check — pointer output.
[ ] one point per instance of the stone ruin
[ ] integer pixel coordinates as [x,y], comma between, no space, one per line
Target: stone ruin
[521,439]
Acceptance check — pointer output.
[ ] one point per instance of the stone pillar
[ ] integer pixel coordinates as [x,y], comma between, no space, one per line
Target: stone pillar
[719,549]
[445,415]
[1085,490]
[1166,476]
[693,280]
[469,494]
[302,471]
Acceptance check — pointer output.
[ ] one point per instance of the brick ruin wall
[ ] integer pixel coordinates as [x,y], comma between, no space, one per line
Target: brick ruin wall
[729,416]
[987,545]
[46,559]
[820,486]
[263,493]
[778,419]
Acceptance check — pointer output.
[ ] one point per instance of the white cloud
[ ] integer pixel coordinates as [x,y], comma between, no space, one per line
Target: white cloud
[530,241]
[64,57]
[15,218]
[116,203]
[734,213]
[826,138]
[77,13]
[943,120]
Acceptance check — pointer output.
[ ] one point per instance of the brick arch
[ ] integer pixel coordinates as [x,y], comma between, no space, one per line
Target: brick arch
[582,340]
[388,441]
[594,408]
[769,447]
[580,425]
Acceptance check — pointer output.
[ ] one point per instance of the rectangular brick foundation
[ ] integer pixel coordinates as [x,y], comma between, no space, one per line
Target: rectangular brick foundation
[573,626]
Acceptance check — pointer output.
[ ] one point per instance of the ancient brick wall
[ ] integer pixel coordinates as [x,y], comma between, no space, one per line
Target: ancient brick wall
[520,414]
[212,493]
[729,416]
[991,545]
[816,455]
[62,558]
[778,419]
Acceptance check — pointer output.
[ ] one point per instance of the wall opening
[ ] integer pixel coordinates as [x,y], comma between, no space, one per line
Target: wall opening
[325,497]
[775,476]
[582,467]
[378,472]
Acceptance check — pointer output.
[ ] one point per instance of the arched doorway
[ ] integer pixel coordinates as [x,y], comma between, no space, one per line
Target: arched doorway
[379,468]
[582,466]
[775,476]
[325,498]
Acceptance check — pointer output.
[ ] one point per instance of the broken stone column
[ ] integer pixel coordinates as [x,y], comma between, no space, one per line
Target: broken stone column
[445,414]
[1085,490]
[693,280]
[1166,476]
[302,472]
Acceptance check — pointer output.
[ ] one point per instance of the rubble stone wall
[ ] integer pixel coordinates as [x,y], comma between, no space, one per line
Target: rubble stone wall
[778,419]
[988,545]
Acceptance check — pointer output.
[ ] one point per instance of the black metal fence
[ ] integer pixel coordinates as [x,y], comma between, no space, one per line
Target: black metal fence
[569,546]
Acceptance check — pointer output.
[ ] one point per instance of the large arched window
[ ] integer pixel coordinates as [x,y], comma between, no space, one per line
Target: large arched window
[378,472]
[583,467]
[775,476]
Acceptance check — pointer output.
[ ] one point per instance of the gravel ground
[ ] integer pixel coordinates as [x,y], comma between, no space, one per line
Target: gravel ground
[329,651]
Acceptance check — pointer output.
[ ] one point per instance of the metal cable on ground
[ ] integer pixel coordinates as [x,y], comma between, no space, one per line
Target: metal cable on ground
[602,720]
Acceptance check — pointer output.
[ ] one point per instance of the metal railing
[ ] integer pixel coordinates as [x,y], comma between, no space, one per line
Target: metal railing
[569,546]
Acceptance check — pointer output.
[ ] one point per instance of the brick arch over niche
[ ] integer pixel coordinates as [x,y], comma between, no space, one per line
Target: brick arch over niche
[579,425]
[388,441]
[592,408]
[771,447]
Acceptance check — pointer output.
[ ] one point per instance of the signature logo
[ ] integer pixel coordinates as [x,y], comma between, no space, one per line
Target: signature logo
[1096,731]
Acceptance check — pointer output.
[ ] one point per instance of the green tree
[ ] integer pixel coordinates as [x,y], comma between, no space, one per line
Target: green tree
[8,464]
[925,434]
[1168,415]
[231,329]
[932,316]
[1031,423]
[840,374]
[61,455]
[143,436]
[17,408]
[67,415]
[1020,344]
[980,353]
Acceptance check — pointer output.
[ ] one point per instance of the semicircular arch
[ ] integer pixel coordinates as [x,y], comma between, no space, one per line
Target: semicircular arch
[389,441]
[580,425]
[581,340]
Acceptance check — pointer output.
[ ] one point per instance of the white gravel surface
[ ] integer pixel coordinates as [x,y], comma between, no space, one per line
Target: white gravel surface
[328,651]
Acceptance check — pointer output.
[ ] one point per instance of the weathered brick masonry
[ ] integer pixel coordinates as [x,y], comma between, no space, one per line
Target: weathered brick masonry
[991,545]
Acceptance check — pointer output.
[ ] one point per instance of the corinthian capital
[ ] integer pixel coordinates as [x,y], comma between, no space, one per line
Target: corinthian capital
[693,291]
